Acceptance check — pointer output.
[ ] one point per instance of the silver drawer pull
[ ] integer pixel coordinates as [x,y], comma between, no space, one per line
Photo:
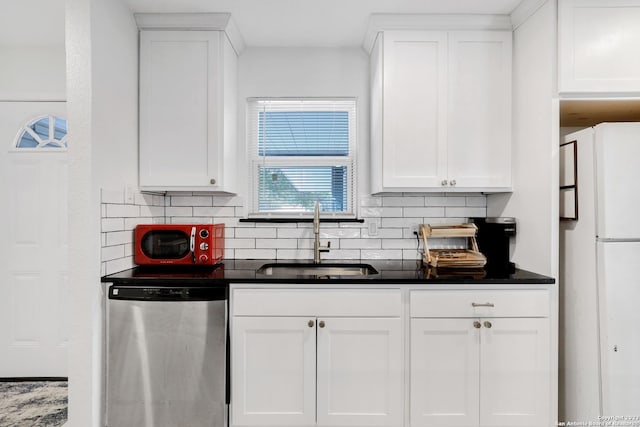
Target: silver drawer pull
[486,304]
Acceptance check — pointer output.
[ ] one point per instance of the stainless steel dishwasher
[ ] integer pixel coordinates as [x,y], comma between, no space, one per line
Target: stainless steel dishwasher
[167,356]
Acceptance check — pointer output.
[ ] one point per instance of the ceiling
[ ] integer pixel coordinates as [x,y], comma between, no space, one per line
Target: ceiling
[276,23]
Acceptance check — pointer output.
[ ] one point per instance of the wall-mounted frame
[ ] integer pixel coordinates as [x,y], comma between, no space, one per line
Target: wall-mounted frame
[569,181]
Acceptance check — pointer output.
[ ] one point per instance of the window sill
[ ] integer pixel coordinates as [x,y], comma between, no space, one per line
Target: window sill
[282,220]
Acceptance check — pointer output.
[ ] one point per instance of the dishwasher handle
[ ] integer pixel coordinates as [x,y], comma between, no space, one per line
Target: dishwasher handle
[167,293]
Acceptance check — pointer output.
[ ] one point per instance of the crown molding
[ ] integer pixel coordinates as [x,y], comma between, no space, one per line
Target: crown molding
[193,22]
[383,22]
[524,11]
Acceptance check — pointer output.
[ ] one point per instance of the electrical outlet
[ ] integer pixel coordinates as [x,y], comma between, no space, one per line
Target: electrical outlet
[129,196]
[373,228]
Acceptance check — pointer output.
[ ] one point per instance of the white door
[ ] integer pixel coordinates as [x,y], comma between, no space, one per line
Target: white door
[274,371]
[514,372]
[444,372]
[359,372]
[33,249]
[619,295]
[617,150]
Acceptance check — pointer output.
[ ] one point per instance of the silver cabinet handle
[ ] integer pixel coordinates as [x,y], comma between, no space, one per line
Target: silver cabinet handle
[310,323]
[476,324]
[453,182]
[321,323]
[486,304]
[212,181]
[444,182]
[487,324]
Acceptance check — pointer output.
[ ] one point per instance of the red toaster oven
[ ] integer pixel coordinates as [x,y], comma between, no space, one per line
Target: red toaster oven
[179,244]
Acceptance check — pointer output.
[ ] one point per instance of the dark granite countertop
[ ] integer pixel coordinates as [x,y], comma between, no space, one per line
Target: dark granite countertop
[389,271]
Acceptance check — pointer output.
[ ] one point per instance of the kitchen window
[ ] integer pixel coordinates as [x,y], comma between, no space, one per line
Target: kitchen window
[301,151]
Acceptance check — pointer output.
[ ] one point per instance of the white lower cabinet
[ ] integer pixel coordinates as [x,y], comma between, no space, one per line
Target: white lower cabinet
[476,358]
[316,370]
[359,372]
[481,371]
[274,371]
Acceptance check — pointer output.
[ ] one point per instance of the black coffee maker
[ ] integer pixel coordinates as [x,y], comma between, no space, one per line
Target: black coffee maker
[493,238]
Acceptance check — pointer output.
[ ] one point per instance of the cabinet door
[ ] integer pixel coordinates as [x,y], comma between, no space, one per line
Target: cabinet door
[273,371]
[444,373]
[360,372]
[479,100]
[599,45]
[414,114]
[514,372]
[179,108]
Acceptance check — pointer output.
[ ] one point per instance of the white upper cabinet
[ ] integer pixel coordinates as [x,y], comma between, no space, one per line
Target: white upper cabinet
[414,101]
[599,46]
[441,111]
[188,83]
[479,106]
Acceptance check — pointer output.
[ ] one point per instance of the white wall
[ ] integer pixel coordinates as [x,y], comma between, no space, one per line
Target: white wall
[534,166]
[32,73]
[102,99]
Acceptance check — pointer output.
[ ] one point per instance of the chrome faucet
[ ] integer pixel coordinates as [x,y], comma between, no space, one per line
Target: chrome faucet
[317,247]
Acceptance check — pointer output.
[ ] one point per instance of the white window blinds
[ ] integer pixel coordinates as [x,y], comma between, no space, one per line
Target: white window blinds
[301,151]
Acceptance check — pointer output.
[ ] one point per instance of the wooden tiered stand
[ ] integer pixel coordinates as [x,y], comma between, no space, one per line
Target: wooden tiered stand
[470,258]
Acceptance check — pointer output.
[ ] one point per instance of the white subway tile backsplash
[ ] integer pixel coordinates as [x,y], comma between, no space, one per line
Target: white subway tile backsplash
[403,201]
[401,222]
[383,233]
[308,243]
[119,238]
[299,253]
[109,253]
[256,233]
[370,201]
[395,216]
[427,212]
[294,233]
[122,211]
[276,243]
[399,243]
[228,211]
[466,212]
[360,243]
[191,201]
[380,254]
[152,211]
[112,224]
[342,254]
[171,211]
[239,243]
[477,201]
[337,233]
[255,253]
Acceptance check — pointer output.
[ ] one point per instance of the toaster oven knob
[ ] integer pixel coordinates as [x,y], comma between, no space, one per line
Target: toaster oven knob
[203,258]
[204,234]
[204,246]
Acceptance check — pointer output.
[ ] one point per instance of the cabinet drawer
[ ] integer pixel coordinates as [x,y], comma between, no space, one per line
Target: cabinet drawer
[511,303]
[313,302]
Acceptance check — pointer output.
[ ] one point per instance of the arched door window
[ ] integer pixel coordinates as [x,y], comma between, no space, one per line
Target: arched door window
[43,132]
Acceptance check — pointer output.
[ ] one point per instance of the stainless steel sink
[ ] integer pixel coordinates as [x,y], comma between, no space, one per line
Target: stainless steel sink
[324,269]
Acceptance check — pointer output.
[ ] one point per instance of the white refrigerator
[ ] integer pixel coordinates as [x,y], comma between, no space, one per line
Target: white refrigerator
[600,276]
